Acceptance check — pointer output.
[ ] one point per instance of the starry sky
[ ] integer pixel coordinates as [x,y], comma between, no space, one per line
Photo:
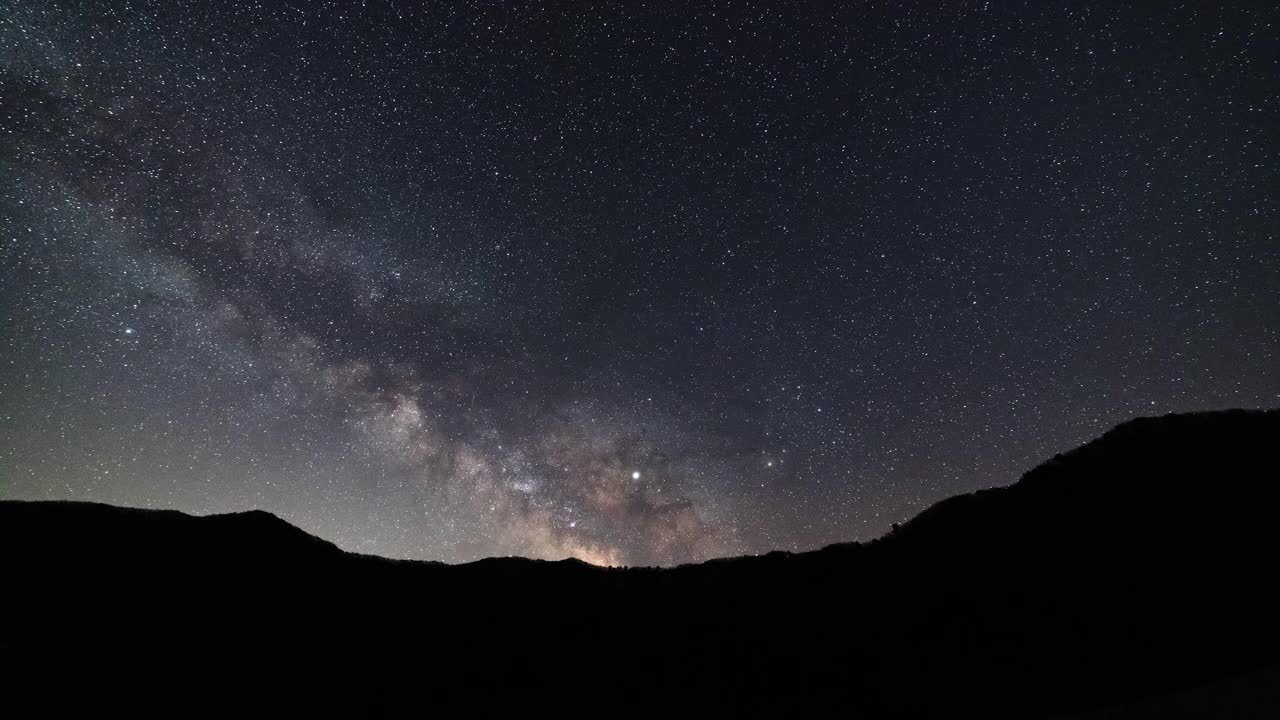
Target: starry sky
[639,283]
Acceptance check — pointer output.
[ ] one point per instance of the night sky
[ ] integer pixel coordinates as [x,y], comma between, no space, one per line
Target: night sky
[636,283]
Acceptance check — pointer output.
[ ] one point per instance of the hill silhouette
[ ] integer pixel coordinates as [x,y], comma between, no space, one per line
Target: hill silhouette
[1132,577]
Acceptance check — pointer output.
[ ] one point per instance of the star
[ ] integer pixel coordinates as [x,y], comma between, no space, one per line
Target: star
[426,329]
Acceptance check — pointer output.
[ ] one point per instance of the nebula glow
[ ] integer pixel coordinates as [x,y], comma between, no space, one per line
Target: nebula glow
[635,285]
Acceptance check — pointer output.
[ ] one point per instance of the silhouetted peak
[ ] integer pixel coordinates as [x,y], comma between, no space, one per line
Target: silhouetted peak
[1136,564]
[252,520]
[1142,469]
[255,515]
[575,561]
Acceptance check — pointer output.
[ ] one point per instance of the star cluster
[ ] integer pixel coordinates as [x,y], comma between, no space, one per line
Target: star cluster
[634,283]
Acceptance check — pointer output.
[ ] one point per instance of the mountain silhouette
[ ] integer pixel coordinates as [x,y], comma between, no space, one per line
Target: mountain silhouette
[1132,577]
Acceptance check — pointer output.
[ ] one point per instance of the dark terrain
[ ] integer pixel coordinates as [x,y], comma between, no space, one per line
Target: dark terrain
[1133,577]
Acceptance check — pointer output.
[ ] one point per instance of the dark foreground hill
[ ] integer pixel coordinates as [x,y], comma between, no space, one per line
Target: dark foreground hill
[1136,576]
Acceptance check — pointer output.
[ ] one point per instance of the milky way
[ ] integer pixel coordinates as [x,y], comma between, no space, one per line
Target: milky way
[640,285]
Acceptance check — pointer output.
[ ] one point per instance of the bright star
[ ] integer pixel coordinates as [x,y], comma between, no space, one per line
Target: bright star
[635,475]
